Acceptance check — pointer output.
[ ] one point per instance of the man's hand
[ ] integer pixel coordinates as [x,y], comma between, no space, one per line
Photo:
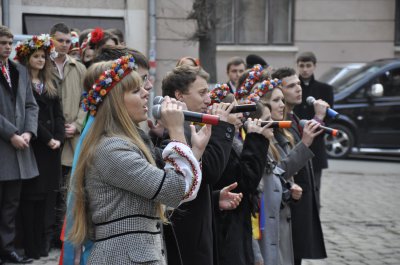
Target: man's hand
[27,137]
[19,142]
[54,144]
[70,130]
[223,110]
[156,130]
[229,200]
[297,191]
[320,108]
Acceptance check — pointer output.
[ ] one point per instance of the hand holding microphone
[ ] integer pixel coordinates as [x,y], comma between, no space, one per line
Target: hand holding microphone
[189,116]
[327,130]
[329,112]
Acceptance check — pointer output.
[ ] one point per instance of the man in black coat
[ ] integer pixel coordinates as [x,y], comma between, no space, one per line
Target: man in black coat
[308,239]
[306,64]
[193,222]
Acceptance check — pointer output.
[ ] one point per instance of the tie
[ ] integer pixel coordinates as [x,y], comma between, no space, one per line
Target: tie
[6,74]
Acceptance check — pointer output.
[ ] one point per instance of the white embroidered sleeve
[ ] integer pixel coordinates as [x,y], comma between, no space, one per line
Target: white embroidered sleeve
[179,157]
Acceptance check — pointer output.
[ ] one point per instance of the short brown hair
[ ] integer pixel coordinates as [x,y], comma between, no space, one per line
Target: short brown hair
[307,57]
[234,61]
[180,79]
[4,31]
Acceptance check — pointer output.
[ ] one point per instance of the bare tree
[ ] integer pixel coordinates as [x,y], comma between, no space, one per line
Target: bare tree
[205,15]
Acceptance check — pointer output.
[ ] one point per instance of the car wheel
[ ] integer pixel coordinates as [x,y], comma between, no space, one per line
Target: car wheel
[341,145]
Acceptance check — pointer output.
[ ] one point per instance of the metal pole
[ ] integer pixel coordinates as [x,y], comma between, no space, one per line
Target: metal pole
[6,13]
[152,45]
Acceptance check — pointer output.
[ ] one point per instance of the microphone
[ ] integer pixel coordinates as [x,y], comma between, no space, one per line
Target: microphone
[274,124]
[158,100]
[189,116]
[244,108]
[330,112]
[327,130]
[239,108]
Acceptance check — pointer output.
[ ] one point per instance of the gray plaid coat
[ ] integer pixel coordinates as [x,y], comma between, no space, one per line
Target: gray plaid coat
[123,190]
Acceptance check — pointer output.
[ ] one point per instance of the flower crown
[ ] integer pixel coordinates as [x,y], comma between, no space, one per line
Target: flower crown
[74,42]
[219,93]
[106,81]
[93,38]
[263,88]
[252,78]
[29,46]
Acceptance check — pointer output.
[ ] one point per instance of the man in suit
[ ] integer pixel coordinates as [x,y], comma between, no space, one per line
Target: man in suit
[18,124]
[234,69]
[193,222]
[306,65]
[308,240]
[68,75]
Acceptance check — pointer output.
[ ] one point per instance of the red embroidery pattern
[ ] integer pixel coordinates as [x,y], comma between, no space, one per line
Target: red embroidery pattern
[195,178]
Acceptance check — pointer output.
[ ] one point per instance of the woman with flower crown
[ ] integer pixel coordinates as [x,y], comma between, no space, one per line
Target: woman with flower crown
[119,193]
[278,190]
[38,195]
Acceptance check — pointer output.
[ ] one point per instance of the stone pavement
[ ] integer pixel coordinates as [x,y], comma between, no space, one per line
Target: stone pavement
[360,214]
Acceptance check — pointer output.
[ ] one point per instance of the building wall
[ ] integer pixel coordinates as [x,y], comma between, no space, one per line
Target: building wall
[134,13]
[345,31]
[340,31]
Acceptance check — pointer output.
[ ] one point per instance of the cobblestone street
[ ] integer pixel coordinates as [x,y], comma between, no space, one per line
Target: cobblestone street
[360,214]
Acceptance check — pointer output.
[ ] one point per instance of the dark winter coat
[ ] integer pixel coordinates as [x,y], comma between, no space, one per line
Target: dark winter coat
[193,222]
[50,126]
[308,239]
[246,166]
[319,91]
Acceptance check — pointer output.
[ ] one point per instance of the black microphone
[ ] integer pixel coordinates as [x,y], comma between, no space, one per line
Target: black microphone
[330,112]
[244,108]
[189,116]
[327,130]
[239,108]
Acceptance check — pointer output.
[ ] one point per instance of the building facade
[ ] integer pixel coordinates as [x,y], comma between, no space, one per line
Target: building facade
[338,32]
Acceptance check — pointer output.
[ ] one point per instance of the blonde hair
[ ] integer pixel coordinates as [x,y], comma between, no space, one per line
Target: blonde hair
[265,100]
[112,119]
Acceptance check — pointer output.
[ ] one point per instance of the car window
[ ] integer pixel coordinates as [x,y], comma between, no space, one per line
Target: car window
[353,77]
[329,75]
[390,81]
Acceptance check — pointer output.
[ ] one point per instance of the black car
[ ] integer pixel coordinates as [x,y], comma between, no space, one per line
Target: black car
[368,101]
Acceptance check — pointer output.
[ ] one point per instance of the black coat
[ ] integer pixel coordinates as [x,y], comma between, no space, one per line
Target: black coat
[246,166]
[319,91]
[193,222]
[308,240]
[50,126]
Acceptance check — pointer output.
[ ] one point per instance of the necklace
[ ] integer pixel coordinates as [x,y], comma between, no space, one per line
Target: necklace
[38,87]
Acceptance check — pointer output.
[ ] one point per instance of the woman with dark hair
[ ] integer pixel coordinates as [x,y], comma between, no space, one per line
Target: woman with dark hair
[38,195]
[94,42]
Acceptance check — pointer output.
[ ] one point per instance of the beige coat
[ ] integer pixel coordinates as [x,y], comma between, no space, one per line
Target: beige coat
[70,90]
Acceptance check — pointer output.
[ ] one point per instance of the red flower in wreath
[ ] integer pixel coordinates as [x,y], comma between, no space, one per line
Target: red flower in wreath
[97,35]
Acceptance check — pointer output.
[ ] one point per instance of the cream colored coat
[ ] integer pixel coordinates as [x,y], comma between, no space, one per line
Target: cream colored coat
[70,89]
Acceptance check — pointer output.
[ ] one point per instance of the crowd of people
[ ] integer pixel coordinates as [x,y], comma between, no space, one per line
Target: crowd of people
[85,169]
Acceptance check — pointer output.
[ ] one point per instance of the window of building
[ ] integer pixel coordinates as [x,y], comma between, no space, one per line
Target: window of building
[397,24]
[34,24]
[255,22]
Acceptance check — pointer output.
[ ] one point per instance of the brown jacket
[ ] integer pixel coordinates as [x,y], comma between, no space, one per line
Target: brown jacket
[70,89]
